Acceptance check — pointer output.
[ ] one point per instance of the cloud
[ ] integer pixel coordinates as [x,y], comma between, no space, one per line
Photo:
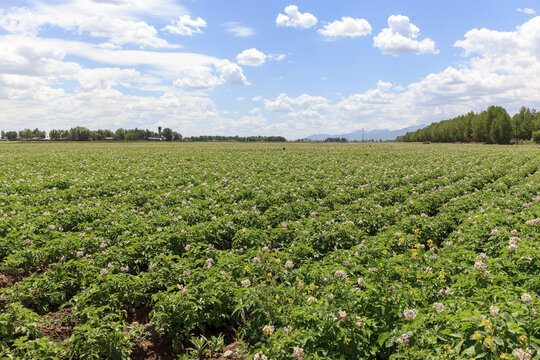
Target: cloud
[41,87]
[231,73]
[491,75]
[295,18]
[251,57]
[526,11]
[114,21]
[186,26]
[254,57]
[164,64]
[55,83]
[400,38]
[205,78]
[284,103]
[276,57]
[346,27]
[197,78]
[238,29]
[45,58]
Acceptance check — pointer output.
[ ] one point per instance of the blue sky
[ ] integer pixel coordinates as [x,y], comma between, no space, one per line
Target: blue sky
[263,67]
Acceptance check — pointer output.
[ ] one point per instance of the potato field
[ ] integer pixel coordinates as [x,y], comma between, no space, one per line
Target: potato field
[269,251]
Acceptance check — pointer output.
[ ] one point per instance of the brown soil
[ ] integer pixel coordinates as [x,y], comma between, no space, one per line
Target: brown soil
[9,280]
[139,314]
[155,347]
[58,325]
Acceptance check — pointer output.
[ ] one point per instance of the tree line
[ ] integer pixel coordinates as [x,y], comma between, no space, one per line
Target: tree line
[81,133]
[492,126]
[237,138]
[335,139]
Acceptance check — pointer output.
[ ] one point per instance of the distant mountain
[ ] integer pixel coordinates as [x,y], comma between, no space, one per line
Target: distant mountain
[369,135]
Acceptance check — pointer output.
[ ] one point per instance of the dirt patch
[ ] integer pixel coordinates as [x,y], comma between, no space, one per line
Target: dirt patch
[154,347]
[139,314]
[58,325]
[9,280]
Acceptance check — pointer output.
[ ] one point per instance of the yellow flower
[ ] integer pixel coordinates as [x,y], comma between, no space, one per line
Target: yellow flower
[277,261]
[446,347]
[269,274]
[442,275]
[246,268]
[346,340]
[488,341]
[522,339]
[477,336]
[504,356]
[486,323]
[416,231]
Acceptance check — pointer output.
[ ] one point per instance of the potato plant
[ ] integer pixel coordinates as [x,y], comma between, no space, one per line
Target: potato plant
[326,251]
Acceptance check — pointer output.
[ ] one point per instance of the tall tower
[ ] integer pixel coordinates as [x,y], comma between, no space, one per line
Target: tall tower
[159,131]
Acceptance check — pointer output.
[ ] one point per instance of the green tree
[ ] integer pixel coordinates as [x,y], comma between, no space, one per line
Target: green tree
[167,134]
[11,135]
[79,133]
[26,134]
[54,134]
[177,136]
[523,123]
[38,133]
[120,134]
[501,125]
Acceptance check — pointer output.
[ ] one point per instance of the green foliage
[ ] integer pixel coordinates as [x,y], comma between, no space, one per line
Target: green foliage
[493,126]
[102,336]
[325,251]
[237,138]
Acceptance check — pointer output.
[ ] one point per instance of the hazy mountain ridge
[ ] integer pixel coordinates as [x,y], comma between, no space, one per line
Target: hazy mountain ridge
[381,134]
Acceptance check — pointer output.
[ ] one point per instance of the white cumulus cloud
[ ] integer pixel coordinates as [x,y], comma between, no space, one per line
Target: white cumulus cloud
[251,57]
[186,26]
[400,37]
[348,26]
[526,10]
[490,75]
[295,18]
[276,57]
[113,21]
[206,78]
[231,73]
[198,78]
[238,29]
